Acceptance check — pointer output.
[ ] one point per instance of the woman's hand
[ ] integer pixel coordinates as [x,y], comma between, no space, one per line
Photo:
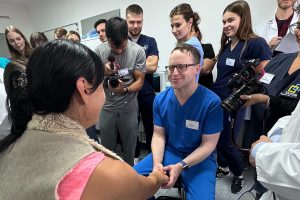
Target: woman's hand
[254,99]
[262,138]
[161,176]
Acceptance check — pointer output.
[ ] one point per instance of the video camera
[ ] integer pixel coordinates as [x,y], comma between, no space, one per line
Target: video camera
[112,79]
[243,83]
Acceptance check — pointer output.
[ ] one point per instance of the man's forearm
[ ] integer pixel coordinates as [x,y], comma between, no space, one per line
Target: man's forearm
[158,148]
[202,152]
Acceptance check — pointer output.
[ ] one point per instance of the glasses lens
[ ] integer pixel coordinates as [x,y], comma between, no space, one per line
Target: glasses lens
[181,67]
[170,68]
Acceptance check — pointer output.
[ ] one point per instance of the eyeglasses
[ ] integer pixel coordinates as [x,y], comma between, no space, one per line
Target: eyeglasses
[180,67]
[294,26]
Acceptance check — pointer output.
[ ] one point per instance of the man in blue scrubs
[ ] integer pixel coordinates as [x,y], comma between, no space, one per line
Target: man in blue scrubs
[134,18]
[187,125]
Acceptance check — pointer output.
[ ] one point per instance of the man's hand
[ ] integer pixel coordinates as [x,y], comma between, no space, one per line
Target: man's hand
[274,42]
[108,70]
[158,167]
[119,90]
[262,138]
[174,171]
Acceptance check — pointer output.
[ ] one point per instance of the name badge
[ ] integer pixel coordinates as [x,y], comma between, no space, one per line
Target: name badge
[230,62]
[267,78]
[123,72]
[192,124]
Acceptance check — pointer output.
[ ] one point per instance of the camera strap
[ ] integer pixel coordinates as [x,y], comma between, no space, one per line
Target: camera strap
[243,49]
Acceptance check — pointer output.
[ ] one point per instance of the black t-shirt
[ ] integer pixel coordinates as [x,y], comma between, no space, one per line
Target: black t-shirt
[207,79]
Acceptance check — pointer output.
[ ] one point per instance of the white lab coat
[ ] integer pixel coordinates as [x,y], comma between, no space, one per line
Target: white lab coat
[268,29]
[278,164]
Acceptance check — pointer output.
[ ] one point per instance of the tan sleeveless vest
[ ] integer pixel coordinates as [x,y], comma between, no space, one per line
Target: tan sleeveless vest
[51,146]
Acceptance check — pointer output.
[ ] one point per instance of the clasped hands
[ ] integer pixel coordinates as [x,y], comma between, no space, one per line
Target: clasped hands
[173,171]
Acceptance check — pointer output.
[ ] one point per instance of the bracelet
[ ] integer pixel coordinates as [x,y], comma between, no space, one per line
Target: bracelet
[268,103]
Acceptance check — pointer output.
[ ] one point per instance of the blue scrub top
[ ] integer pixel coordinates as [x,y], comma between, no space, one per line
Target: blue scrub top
[3,62]
[150,46]
[185,124]
[231,61]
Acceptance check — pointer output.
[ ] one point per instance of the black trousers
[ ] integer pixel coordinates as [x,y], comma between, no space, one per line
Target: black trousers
[145,102]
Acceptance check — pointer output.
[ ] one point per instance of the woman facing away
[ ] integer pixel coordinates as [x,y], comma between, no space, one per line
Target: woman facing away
[47,154]
[18,46]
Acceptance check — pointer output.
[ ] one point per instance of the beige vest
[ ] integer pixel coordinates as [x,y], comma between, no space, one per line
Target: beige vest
[48,149]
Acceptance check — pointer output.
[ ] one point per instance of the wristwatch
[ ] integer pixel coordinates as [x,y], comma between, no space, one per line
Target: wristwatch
[185,167]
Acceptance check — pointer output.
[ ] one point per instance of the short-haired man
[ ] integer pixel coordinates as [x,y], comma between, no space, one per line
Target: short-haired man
[134,17]
[276,28]
[120,110]
[100,29]
[187,125]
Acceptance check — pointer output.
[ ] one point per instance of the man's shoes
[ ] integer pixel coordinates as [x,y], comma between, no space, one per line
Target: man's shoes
[221,172]
[237,184]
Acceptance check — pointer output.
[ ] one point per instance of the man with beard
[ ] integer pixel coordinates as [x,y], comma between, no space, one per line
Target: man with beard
[134,17]
[276,28]
[120,110]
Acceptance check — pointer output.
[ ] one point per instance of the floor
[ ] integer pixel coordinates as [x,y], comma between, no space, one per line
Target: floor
[222,188]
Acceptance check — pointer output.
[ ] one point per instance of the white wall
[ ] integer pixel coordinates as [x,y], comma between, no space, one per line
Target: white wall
[49,14]
[18,17]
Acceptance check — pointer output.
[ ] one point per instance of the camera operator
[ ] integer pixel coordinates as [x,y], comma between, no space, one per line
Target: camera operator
[238,44]
[120,110]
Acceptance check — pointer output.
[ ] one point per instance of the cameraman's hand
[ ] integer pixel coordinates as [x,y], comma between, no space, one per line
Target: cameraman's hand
[108,70]
[120,89]
[254,99]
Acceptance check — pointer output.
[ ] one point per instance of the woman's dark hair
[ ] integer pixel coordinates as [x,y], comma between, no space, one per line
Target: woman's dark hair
[15,55]
[187,12]
[52,72]
[245,31]
[37,39]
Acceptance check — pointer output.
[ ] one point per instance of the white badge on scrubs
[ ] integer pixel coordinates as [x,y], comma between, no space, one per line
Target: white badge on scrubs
[123,72]
[267,78]
[192,124]
[230,62]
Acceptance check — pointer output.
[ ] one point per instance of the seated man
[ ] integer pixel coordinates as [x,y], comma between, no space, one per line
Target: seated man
[187,124]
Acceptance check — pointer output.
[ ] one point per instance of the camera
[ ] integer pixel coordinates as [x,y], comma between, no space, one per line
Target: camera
[112,80]
[243,83]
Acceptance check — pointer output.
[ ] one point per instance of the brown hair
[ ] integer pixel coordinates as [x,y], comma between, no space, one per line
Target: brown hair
[245,31]
[134,8]
[15,55]
[187,12]
[73,33]
[60,32]
[37,39]
[187,48]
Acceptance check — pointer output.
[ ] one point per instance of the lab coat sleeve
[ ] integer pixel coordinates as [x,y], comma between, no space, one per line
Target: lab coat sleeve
[278,168]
